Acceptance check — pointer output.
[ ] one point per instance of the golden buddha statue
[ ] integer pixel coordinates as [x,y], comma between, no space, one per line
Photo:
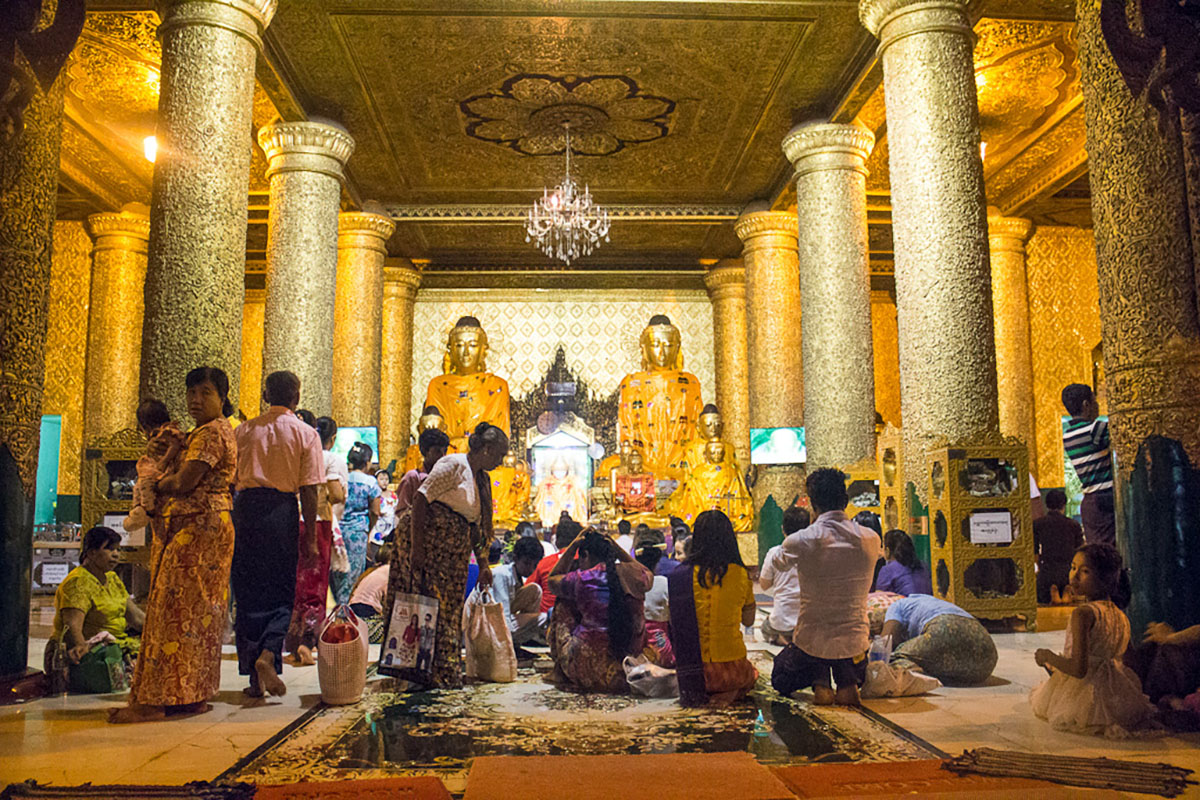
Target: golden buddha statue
[510,492]
[709,427]
[430,418]
[633,487]
[466,392]
[612,463]
[712,484]
[561,491]
[659,405]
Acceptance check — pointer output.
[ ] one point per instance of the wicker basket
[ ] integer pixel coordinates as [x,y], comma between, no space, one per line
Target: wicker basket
[342,667]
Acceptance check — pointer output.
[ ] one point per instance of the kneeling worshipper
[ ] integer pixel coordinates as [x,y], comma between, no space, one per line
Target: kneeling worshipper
[903,573]
[599,616]
[451,519]
[784,585]
[520,600]
[711,595]
[938,638]
[648,548]
[179,664]
[91,600]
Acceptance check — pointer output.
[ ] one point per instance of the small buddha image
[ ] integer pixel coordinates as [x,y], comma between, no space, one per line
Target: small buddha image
[714,485]
[510,492]
[613,463]
[561,491]
[466,392]
[634,488]
[659,404]
[709,427]
[430,418]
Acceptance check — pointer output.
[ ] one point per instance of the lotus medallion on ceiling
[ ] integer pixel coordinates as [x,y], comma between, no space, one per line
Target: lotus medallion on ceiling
[606,113]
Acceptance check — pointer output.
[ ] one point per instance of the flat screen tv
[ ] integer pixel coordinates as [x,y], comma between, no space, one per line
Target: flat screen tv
[777,446]
[346,437]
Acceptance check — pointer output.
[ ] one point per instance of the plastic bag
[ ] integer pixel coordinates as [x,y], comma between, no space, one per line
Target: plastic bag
[881,649]
[339,559]
[884,680]
[342,653]
[101,669]
[490,654]
[649,679]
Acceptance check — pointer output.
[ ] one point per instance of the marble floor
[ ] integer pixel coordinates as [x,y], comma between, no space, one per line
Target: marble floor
[65,740]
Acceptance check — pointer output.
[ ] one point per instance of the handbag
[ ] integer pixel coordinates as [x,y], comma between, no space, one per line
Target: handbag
[410,640]
[490,654]
[100,671]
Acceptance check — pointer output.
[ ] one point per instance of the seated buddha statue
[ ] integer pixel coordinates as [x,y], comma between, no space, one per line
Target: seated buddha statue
[634,488]
[430,418]
[709,427]
[659,405]
[466,392]
[612,463]
[713,484]
[561,491]
[510,492]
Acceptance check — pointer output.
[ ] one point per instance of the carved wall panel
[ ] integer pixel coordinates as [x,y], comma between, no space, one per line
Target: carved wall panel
[597,329]
[66,344]
[1064,322]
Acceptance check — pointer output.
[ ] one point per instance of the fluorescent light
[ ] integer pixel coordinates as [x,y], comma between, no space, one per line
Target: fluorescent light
[150,148]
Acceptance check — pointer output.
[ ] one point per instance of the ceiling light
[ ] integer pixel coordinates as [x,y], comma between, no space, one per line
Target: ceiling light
[564,223]
[150,148]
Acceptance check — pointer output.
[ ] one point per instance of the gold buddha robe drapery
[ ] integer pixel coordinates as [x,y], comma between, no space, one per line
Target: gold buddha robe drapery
[657,414]
[510,495]
[467,400]
[714,486]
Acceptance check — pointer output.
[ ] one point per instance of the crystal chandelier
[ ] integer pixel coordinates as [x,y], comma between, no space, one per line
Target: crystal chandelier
[564,223]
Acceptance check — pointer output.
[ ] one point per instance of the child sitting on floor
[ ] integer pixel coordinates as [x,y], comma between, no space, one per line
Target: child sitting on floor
[1090,691]
[155,422]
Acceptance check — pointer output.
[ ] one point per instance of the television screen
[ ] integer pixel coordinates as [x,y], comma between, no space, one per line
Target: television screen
[346,437]
[777,446]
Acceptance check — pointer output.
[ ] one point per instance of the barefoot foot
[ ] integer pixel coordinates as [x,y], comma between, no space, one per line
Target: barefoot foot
[268,678]
[847,696]
[136,712]
[305,655]
[823,696]
[188,709]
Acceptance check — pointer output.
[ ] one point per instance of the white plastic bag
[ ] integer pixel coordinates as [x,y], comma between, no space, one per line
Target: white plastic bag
[649,679]
[884,680]
[342,666]
[490,654]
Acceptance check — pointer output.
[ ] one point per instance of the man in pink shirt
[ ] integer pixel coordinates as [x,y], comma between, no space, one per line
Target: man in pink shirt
[835,560]
[279,456]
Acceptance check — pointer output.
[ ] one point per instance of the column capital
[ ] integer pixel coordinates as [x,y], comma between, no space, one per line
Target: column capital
[248,18]
[305,147]
[753,225]
[1008,233]
[364,229]
[725,278]
[128,230]
[819,146]
[892,20]
[400,279]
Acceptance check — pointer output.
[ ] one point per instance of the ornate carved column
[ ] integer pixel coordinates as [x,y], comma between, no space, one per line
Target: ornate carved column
[358,325]
[28,188]
[1010,305]
[835,289]
[253,311]
[939,219]
[198,212]
[304,165]
[1150,323]
[726,283]
[773,340]
[400,281]
[114,339]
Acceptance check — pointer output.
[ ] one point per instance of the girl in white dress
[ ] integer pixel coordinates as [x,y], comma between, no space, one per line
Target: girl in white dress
[1090,690]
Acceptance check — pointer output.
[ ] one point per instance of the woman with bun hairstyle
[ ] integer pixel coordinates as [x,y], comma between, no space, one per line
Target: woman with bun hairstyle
[451,518]
[358,518]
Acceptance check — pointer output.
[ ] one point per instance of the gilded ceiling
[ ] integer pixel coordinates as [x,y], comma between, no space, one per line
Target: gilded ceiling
[459,108]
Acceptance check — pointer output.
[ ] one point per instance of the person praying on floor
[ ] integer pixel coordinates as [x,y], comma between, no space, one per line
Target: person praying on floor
[278,458]
[1168,664]
[162,436]
[520,600]
[903,573]
[938,638]
[648,549]
[565,532]
[1090,690]
[1056,537]
[599,617]
[711,594]
[835,558]
[784,585]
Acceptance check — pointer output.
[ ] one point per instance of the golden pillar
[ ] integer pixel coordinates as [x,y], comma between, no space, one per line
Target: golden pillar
[939,223]
[830,161]
[253,311]
[1149,272]
[773,340]
[1010,304]
[114,337]
[196,263]
[304,165]
[358,325]
[400,283]
[726,283]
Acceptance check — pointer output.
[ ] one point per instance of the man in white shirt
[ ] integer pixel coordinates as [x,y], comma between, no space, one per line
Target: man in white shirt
[519,600]
[782,584]
[835,559]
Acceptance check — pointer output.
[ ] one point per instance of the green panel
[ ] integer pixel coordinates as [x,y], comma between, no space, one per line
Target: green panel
[69,509]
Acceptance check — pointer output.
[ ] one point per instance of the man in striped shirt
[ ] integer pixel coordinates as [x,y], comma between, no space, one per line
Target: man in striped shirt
[1085,440]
